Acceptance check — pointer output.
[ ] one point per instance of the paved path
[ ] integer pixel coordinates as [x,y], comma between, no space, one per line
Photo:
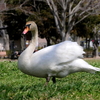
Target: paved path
[98,58]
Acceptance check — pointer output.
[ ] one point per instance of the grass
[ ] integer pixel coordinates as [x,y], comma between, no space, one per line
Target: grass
[14,85]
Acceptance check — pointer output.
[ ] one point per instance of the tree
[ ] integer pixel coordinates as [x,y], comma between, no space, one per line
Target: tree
[67,13]
[93,25]
[89,29]
[74,11]
[19,11]
[96,39]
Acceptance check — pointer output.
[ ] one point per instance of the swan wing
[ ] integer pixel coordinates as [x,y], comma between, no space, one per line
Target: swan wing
[63,52]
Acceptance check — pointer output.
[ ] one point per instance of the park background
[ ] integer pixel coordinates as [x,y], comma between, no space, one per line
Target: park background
[57,20]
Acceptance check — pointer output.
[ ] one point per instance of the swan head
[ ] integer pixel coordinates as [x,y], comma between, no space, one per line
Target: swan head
[30,26]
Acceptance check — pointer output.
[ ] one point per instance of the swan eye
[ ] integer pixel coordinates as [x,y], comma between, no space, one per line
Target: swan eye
[28,25]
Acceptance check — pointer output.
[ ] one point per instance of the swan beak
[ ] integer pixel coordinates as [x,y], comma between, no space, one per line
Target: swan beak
[26,30]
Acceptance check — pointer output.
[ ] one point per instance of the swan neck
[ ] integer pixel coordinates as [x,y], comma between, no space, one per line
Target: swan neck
[34,40]
[28,52]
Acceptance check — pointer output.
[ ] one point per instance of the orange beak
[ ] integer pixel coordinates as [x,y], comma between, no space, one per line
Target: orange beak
[26,30]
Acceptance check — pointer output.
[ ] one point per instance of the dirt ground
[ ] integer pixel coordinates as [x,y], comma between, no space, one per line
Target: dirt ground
[97,58]
[1,60]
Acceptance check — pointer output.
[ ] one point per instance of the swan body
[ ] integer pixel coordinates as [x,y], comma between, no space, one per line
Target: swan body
[53,61]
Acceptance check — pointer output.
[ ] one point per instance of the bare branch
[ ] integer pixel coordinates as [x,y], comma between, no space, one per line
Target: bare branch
[77,7]
[82,19]
[7,13]
[54,10]
[24,3]
[60,3]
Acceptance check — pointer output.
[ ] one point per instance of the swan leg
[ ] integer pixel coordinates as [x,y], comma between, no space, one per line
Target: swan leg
[47,80]
[54,79]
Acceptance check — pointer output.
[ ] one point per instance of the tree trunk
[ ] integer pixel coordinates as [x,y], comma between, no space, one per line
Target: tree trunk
[48,41]
[95,50]
[23,42]
[6,41]
[5,37]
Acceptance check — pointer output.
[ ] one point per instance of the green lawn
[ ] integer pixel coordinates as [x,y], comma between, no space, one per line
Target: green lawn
[14,85]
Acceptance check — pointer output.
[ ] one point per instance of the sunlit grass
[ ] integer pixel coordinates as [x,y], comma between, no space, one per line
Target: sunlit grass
[14,85]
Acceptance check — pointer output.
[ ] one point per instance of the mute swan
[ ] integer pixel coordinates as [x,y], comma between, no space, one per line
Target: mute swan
[56,61]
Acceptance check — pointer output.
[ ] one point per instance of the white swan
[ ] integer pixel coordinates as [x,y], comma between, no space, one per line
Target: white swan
[54,61]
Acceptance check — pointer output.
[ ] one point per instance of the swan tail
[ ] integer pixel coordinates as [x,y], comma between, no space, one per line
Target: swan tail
[94,69]
[91,69]
[83,66]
